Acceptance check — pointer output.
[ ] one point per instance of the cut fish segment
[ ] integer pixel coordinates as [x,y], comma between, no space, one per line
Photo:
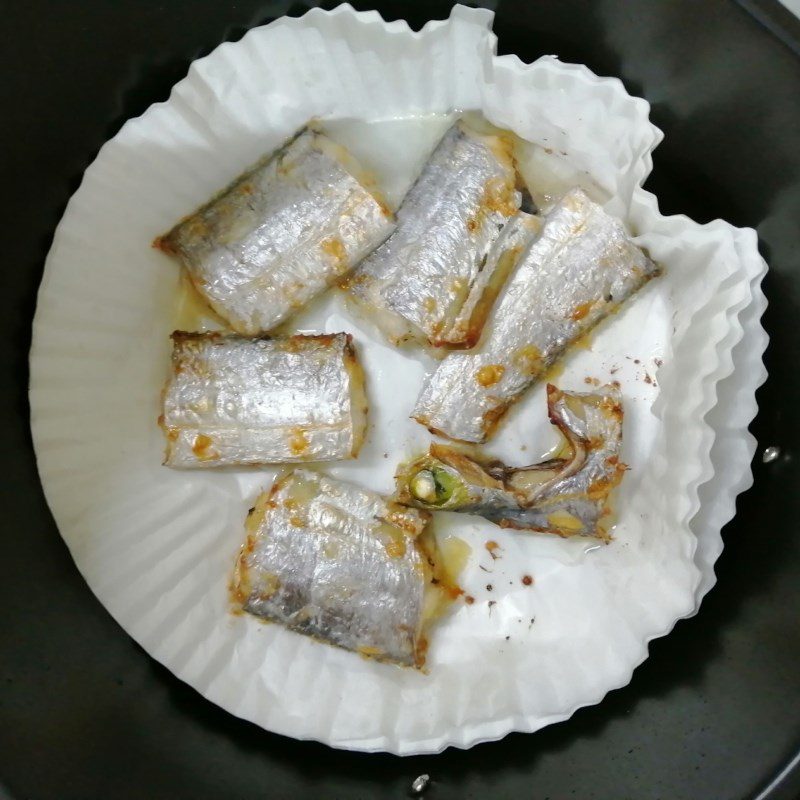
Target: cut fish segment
[567,495]
[421,283]
[582,266]
[233,400]
[283,232]
[341,564]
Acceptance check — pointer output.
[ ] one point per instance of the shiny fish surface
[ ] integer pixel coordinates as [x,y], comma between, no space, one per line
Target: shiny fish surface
[418,284]
[567,495]
[338,563]
[580,268]
[234,400]
[280,234]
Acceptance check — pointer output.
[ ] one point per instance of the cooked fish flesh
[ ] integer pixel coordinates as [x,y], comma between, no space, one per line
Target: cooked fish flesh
[567,495]
[282,233]
[422,282]
[580,268]
[235,400]
[503,255]
[342,564]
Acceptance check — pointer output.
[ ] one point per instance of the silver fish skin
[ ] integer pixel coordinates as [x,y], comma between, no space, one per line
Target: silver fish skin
[232,400]
[281,234]
[565,495]
[581,267]
[436,264]
[339,563]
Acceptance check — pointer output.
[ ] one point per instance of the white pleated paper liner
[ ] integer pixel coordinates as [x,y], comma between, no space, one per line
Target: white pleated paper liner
[157,546]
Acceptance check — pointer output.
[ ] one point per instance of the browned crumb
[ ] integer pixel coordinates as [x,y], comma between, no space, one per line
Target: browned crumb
[491,546]
[581,311]
[527,580]
[469,599]
[489,375]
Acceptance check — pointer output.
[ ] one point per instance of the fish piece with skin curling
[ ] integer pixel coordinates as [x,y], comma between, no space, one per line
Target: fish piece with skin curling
[567,495]
[341,564]
[504,253]
[581,267]
[232,400]
[423,283]
[281,234]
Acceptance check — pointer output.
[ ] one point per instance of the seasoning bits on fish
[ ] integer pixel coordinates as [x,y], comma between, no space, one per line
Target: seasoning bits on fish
[432,279]
[567,495]
[577,270]
[282,233]
[232,400]
[341,564]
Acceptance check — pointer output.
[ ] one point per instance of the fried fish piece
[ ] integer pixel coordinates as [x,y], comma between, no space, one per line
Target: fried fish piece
[567,495]
[283,232]
[235,400]
[581,267]
[341,564]
[421,283]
